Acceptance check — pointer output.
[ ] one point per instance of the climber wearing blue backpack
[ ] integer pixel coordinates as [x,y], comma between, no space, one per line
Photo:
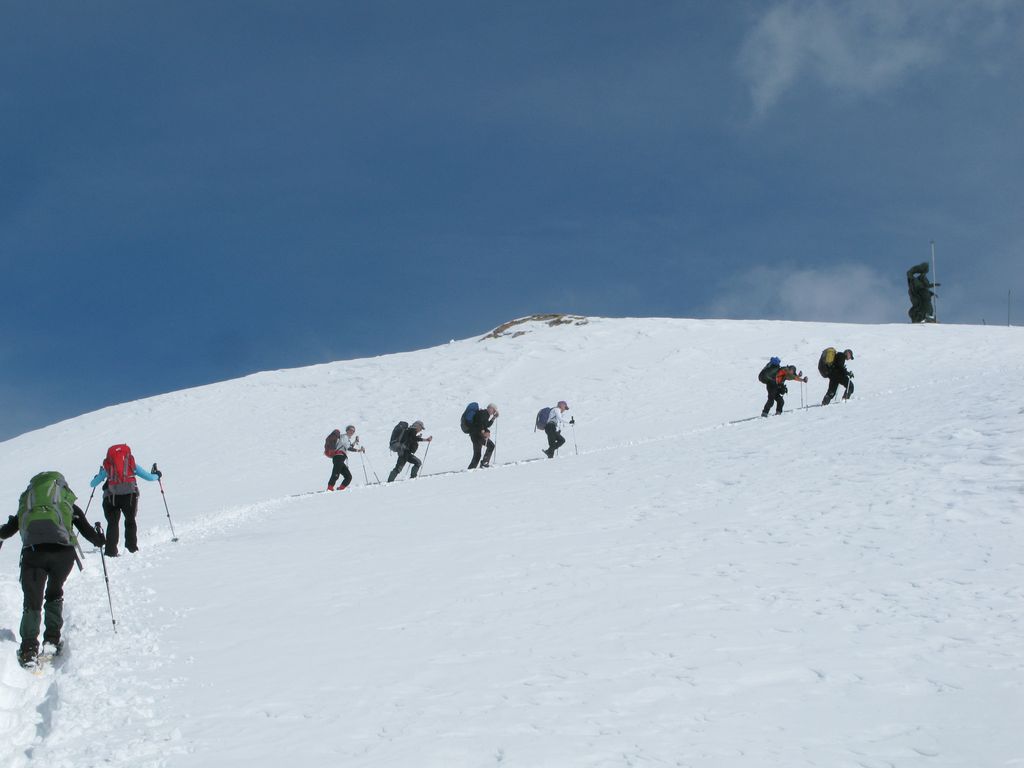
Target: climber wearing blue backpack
[551,421]
[476,423]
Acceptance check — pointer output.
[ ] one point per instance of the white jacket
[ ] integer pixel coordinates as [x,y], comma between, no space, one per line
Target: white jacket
[556,417]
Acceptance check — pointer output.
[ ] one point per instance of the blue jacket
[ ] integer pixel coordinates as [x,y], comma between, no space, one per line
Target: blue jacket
[102,475]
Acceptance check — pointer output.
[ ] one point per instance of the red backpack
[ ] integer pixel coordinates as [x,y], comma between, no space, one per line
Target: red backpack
[331,443]
[120,465]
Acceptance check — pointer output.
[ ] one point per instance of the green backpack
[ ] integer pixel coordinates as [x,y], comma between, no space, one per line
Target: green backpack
[45,511]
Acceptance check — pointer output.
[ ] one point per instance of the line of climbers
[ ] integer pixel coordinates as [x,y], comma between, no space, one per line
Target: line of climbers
[405,440]
[831,366]
[46,519]
[47,512]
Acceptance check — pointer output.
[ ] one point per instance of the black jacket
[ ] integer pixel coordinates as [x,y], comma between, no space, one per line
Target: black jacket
[481,421]
[410,440]
[10,528]
[838,364]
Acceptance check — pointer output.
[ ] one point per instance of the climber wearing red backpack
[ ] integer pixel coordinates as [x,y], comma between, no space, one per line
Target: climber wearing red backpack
[337,446]
[121,495]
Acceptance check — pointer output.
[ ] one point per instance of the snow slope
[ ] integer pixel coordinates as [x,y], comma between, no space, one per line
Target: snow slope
[840,586]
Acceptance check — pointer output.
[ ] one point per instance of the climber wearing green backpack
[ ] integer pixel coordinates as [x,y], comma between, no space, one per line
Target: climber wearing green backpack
[47,513]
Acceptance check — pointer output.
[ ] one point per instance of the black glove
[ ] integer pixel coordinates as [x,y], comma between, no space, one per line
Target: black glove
[572,420]
[850,374]
[155,471]
[100,539]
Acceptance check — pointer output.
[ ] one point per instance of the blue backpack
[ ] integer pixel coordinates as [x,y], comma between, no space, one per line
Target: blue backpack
[542,418]
[467,417]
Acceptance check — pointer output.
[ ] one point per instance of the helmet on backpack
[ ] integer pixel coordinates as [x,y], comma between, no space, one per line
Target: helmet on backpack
[775,361]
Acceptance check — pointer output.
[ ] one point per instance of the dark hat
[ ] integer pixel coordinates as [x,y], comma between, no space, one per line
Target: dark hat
[848,353]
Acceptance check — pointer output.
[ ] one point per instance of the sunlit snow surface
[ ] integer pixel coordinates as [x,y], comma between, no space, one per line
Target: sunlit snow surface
[835,587]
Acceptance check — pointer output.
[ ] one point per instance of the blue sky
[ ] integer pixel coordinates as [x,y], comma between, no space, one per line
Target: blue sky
[193,191]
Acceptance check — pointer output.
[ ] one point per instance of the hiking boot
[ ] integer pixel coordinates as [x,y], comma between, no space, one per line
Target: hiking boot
[133,549]
[27,655]
[778,411]
[341,488]
[112,554]
[549,453]
[53,648]
[330,487]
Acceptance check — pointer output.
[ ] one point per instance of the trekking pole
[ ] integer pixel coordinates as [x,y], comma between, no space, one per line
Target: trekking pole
[90,500]
[572,423]
[78,546]
[363,461]
[495,439]
[425,454]
[375,477]
[160,481]
[106,578]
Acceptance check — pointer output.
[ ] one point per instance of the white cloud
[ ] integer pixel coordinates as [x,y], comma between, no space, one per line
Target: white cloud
[845,293]
[856,48]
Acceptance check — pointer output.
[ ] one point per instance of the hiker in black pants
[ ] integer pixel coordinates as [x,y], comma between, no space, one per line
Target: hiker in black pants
[480,434]
[121,496]
[553,428]
[837,374]
[47,557]
[337,451]
[408,443]
[774,376]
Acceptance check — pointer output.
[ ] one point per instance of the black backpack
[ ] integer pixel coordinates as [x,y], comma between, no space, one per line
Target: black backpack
[767,374]
[396,436]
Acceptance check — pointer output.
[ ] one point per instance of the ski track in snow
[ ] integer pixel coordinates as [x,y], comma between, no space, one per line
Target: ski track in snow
[831,588]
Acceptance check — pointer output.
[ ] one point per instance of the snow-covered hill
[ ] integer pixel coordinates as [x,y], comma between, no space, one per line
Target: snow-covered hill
[840,586]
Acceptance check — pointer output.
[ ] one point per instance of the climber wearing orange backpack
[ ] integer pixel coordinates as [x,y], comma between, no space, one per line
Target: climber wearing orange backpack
[121,495]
